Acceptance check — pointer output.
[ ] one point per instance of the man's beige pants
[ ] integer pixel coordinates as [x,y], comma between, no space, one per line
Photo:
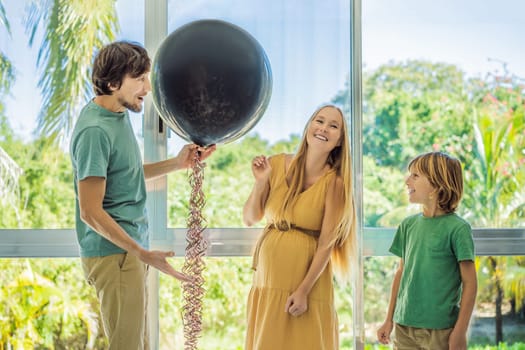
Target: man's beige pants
[120,281]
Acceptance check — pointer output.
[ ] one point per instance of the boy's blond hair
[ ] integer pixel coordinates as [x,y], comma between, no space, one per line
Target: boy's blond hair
[444,174]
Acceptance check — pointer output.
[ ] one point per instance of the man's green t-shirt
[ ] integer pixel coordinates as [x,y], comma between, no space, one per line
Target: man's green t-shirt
[104,145]
[430,287]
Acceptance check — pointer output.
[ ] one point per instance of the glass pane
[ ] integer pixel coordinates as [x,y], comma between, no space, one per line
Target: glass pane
[46,304]
[441,77]
[44,83]
[307,44]
[227,283]
[446,77]
[500,306]
[379,273]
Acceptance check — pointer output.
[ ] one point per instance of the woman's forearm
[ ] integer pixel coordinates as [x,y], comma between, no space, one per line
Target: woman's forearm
[253,210]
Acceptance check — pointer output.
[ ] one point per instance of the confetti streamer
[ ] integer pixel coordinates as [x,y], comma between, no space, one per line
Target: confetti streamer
[194,265]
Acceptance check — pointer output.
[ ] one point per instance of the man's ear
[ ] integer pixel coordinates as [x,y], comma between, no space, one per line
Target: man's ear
[112,87]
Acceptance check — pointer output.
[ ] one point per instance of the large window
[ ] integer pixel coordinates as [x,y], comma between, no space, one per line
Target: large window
[447,76]
[411,77]
[308,47]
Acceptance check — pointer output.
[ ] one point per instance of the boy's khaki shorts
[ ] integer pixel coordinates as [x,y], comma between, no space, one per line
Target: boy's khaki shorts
[410,338]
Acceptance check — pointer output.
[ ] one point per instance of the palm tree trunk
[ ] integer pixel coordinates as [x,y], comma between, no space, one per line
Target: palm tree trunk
[499,316]
[498,301]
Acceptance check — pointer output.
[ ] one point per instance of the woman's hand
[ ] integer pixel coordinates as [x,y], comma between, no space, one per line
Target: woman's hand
[261,168]
[296,304]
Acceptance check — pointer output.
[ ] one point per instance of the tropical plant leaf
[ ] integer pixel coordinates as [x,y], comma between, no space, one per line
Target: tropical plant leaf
[9,175]
[72,31]
[3,19]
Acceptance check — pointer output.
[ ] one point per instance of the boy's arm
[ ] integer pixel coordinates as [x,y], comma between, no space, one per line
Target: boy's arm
[383,333]
[468,299]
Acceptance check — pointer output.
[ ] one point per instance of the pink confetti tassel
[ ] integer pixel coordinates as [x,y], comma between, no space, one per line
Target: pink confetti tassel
[196,248]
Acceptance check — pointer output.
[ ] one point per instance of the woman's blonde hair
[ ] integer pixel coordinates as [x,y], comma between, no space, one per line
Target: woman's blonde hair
[339,159]
[444,174]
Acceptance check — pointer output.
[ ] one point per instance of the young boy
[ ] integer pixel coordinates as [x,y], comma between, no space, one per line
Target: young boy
[435,286]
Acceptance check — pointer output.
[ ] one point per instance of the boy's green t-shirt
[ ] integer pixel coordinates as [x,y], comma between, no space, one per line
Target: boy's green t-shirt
[430,287]
[104,145]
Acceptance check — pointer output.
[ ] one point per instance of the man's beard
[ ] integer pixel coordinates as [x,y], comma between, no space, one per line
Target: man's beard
[132,107]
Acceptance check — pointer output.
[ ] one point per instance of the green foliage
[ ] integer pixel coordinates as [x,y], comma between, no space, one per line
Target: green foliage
[9,171]
[7,76]
[494,176]
[44,305]
[228,182]
[383,194]
[515,281]
[227,284]
[46,191]
[378,276]
[501,346]
[73,30]
[228,281]
[410,108]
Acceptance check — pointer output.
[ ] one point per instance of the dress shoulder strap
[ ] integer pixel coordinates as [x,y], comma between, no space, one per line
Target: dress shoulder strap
[278,163]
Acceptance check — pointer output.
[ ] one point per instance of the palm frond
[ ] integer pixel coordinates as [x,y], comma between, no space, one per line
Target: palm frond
[9,174]
[515,284]
[73,30]
[3,19]
[7,74]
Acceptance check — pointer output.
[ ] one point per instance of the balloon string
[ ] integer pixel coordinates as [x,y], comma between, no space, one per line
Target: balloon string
[196,248]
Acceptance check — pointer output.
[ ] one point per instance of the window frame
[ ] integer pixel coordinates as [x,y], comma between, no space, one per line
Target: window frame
[238,242]
[231,242]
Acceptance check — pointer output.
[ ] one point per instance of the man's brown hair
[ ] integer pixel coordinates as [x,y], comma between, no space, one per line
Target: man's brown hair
[116,60]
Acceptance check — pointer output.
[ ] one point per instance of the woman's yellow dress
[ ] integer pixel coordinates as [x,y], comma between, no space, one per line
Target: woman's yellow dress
[281,261]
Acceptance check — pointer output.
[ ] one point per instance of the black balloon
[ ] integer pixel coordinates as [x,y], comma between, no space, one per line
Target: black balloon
[211,82]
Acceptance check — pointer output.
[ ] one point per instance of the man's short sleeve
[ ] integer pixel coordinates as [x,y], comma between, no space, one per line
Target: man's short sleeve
[90,153]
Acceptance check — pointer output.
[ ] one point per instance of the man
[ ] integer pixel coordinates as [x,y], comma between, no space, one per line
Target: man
[111,220]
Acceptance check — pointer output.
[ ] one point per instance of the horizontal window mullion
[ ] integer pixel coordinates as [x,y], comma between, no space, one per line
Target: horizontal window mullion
[235,242]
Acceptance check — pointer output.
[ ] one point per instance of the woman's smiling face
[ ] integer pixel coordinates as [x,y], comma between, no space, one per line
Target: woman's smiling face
[325,128]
